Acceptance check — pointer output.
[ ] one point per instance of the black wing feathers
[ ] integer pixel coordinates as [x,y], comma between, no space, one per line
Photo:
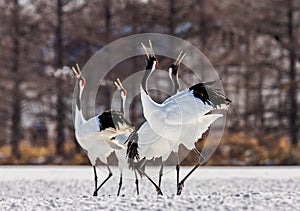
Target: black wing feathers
[113,119]
[213,97]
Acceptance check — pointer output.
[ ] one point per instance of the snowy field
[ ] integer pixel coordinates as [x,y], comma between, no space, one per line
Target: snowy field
[210,188]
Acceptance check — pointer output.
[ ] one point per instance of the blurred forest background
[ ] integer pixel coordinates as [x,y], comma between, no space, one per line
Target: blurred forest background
[253,45]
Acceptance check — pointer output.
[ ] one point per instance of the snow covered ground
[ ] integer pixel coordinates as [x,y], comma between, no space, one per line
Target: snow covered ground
[210,188]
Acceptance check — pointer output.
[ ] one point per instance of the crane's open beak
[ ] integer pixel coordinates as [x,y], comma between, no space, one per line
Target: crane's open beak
[145,49]
[119,85]
[179,58]
[76,70]
[151,49]
[151,53]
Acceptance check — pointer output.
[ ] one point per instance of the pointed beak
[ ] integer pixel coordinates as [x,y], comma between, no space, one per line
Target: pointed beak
[145,49]
[148,51]
[77,72]
[119,85]
[179,58]
[151,49]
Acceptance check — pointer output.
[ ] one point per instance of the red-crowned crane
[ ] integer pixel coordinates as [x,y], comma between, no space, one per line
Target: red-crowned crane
[182,118]
[159,147]
[97,134]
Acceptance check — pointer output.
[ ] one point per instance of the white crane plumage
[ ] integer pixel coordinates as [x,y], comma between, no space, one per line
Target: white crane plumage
[182,118]
[97,135]
[159,146]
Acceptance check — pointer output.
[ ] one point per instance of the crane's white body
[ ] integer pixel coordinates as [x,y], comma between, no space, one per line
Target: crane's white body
[178,110]
[98,144]
[181,119]
[161,136]
[100,138]
[121,153]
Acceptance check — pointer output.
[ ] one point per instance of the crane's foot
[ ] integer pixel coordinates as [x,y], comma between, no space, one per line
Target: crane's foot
[158,190]
[95,193]
[179,188]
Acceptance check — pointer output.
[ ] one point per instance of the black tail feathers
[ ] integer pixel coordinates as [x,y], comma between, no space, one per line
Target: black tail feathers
[141,164]
[132,149]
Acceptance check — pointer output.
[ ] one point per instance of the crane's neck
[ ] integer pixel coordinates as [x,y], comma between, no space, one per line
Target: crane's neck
[79,119]
[147,103]
[144,83]
[175,82]
[123,99]
[150,67]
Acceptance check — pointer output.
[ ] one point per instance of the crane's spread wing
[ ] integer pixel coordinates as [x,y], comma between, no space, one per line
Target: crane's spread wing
[210,95]
[110,132]
[184,108]
[122,138]
[113,119]
[113,143]
[192,132]
[145,143]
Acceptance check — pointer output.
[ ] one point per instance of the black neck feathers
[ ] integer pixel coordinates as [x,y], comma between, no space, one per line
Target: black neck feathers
[122,108]
[145,79]
[78,100]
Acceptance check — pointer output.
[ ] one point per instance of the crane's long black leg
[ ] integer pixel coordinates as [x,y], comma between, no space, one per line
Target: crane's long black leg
[96,180]
[141,165]
[181,184]
[109,175]
[120,184]
[160,173]
[158,190]
[136,183]
[177,169]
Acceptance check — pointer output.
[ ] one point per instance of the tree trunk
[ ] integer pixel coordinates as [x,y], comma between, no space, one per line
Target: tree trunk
[107,7]
[60,105]
[16,104]
[133,111]
[107,16]
[202,24]
[260,110]
[247,88]
[292,92]
[171,17]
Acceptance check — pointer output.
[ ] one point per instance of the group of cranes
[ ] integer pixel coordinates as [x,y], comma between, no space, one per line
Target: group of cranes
[180,119]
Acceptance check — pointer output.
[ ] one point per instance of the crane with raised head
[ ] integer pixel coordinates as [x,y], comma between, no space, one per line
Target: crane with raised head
[182,118]
[97,135]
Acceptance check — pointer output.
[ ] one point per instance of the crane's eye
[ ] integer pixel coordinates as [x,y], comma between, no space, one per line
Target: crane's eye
[124,92]
[156,64]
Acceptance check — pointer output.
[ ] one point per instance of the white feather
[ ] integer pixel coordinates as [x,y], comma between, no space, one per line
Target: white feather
[154,145]
[85,129]
[182,108]
[196,130]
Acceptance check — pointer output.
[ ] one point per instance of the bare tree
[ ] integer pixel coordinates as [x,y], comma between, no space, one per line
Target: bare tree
[293,106]
[171,15]
[16,103]
[60,104]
